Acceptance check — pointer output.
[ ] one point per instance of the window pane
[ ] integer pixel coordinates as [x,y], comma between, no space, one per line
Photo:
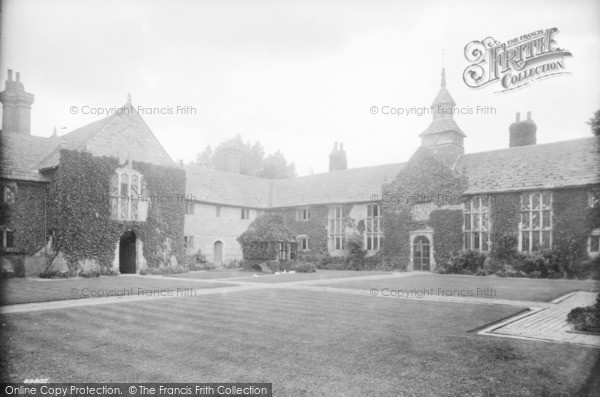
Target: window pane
[468,241]
[535,240]
[475,201]
[468,206]
[331,226]
[124,185]
[546,200]
[476,245]
[485,222]
[134,186]
[369,211]
[10,239]
[376,211]
[476,222]
[375,243]
[331,212]
[535,201]
[546,219]
[525,220]
[595,244]
[376,225]
[525,202]
[369,243]
[485,206]
[485,242]
[535,220]
[467,222]
[546,240]
[525,241]
[369,225]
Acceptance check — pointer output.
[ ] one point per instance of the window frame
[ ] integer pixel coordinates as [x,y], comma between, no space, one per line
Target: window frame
[303,242]
[373,220]
[336,228]
[128,199]
[245,213]
[4,238]
[190,207]
[595,234]
[526,234]
[477,213]
[303,214]
[188,242]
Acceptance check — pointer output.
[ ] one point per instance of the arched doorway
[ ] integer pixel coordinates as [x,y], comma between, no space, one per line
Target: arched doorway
[421,254]
[218,253]
[127,253]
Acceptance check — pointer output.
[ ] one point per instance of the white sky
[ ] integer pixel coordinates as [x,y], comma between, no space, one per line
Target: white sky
[295,76]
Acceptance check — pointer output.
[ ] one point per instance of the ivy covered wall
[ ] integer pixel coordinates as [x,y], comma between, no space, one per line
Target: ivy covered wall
[314,228]
[26,215]
[424,179]
[79,211]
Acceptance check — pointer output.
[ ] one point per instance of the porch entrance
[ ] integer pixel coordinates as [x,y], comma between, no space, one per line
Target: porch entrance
[127,253]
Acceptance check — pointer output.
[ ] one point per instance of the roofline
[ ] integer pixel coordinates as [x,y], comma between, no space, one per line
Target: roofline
[534,189]
[535,145]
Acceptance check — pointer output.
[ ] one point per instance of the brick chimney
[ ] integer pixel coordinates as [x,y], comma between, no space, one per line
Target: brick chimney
[16,106]
[337,158]
[522,133]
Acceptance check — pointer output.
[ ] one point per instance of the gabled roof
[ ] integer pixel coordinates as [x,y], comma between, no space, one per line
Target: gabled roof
[20,155]
[218,187]
[346,186]
[546,166]
[106,137]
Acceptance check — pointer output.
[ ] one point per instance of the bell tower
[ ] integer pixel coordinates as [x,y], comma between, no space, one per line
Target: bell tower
[443,136]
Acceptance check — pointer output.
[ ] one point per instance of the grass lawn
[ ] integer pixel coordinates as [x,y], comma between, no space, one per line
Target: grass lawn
[211,274]
[505,288]
[305,343]
[23,290]
[319,275]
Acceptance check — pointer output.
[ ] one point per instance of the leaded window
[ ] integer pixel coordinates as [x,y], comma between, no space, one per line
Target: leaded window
[127,191]
[477,224]
[373,230]
[337,234]
[536,221]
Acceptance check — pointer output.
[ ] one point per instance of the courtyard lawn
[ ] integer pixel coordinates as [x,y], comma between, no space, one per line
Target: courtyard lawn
[543,290]
[305,343]
[211,274]
[24,290]
[318,275]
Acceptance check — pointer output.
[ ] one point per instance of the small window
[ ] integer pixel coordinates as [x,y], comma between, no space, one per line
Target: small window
[189,208]
[594,199]
[8,238]
[594,242]
[188,242]
[302,214]
[283,251]
[8,194]
[302,243]
[218,211]
[245,213]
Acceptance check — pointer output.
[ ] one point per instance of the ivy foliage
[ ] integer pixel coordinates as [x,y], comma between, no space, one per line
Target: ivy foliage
[424,176]
[80,218]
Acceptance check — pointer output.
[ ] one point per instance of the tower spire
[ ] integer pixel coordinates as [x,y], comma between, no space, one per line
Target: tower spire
[443,84]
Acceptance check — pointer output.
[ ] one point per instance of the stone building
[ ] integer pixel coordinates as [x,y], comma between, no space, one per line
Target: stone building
[527,196]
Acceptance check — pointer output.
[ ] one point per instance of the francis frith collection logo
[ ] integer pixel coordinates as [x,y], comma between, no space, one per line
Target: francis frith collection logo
[515,63]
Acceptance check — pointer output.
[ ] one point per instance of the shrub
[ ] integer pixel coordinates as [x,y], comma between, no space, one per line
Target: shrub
[53,273]
[154,271]
[333,266]
[143,272]
[356,252]
[89,274]
[175,270]
[463,262]
[233,264]
[586,318]
[303,267]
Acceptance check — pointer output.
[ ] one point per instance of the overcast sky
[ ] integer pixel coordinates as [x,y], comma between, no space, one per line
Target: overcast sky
[295,76]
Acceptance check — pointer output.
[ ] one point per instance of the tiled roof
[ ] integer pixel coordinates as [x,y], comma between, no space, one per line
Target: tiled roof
[546,166]
[21,153]
[347,186]
[218,187]
[72,141]
[440,125]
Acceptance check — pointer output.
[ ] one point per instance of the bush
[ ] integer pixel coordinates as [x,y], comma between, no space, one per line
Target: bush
[303,267]
[53,273]
[143,272]
[356,252]
[89,274]
[233,264]
[586,319]
[463,262]
[175,270]
[333,266]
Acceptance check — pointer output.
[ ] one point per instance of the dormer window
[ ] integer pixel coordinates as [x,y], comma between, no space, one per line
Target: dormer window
[128,195]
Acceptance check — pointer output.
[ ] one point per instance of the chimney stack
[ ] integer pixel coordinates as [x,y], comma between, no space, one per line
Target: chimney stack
[16,106]
[337,158]
[522,133]
[229,159]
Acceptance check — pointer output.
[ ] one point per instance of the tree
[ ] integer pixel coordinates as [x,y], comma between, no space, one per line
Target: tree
[594,123]
[204,159]
[252,162]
